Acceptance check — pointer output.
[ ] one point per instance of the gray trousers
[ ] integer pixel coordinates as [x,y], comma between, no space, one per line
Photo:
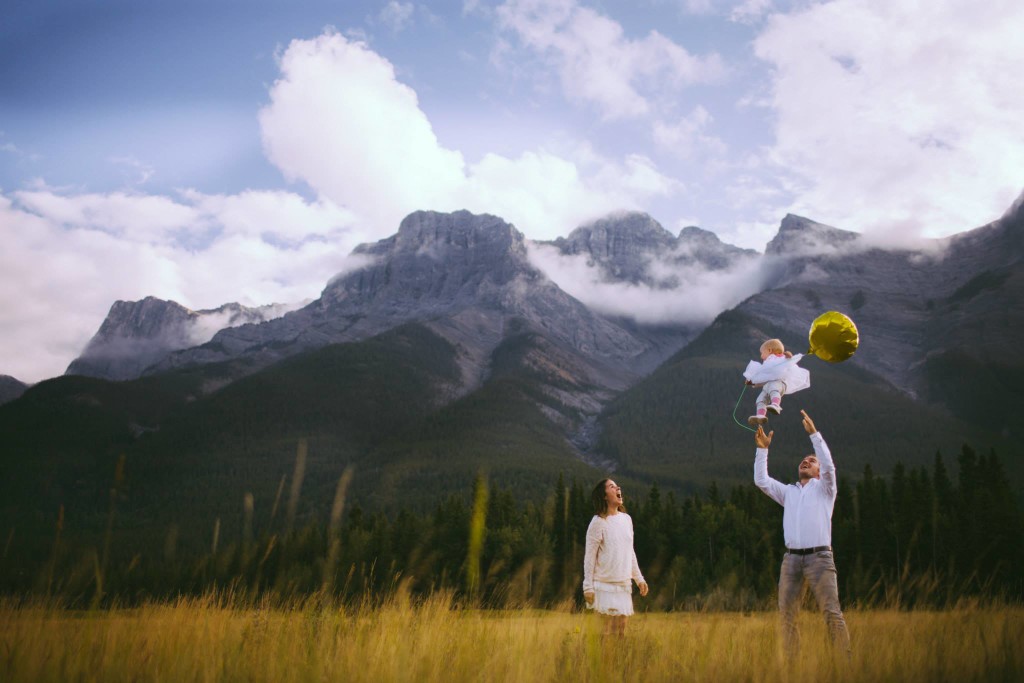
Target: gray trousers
[769,388]
[819,571]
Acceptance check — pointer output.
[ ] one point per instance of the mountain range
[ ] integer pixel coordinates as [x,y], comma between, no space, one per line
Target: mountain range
[10,388]
[137,334]
[450,352]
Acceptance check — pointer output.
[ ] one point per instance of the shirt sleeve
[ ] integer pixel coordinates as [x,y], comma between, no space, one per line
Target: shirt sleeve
[595,534]
[774,489]
[751,369]
[635,569]
[826,467]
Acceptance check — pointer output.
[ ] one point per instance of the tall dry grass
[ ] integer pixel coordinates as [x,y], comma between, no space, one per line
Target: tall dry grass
[210,639]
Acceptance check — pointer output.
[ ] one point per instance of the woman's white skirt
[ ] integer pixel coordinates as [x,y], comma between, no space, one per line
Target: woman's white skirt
[613,599]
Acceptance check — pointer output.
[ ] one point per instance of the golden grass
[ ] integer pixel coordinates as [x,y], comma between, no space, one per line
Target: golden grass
[205,640]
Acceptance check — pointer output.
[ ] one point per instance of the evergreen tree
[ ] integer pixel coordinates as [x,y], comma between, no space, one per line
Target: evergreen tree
[912,538]
[560,569]
[968,542]
[1001,521]
[873,526]
[944,513]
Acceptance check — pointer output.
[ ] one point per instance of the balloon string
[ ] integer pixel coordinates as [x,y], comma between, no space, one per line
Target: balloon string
[737,406]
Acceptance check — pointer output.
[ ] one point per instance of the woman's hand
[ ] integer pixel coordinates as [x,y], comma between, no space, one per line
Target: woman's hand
[643,588]
[589,597]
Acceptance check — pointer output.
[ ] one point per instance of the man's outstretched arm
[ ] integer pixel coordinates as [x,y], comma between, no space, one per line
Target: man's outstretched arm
[826,466]
[775,490]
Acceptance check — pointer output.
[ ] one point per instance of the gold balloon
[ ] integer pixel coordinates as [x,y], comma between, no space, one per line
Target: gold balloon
[833,337]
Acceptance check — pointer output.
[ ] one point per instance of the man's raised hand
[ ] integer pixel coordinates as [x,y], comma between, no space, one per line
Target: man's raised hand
[761,439]
[808,422]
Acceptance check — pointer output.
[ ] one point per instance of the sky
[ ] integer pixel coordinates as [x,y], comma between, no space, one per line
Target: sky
[237,150]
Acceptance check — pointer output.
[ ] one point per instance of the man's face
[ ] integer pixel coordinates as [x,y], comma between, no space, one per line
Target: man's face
[809,468]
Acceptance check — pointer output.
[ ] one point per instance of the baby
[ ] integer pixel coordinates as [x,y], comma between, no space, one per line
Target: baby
[777,374]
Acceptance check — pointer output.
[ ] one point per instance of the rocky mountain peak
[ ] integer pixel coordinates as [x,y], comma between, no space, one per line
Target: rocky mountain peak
[134,335]
[467,276]
[694,235]
[137,334]
[998,245]
[696,246]
[620,244]
[1016,210]
[435,256]
[147,318]
[799,236]
[617,237]
[459,232]
[1013,224]
[633,247]
[10,388]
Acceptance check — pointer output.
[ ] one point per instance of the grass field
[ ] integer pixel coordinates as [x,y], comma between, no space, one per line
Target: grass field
[207,640]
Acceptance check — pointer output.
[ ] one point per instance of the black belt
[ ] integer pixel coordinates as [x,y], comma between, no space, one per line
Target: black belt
[809,551]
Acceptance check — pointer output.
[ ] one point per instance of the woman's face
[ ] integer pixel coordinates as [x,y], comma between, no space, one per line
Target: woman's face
[613,494]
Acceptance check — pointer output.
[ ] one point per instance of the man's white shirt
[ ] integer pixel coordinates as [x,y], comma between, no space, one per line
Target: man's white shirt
[807,516]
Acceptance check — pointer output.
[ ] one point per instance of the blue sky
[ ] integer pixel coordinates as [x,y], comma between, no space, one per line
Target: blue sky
[215,151]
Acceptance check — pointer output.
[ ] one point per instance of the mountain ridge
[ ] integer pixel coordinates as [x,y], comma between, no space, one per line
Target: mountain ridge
[10,388]
[137,334]
[627,247]
[497,379]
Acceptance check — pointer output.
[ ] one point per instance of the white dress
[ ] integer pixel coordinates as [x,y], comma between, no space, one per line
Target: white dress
[609,564]
[779,369]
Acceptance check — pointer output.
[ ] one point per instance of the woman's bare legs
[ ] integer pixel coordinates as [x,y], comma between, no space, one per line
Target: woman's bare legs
[615,625]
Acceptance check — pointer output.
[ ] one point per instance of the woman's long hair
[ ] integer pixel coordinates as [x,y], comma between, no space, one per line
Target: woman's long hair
[600,502]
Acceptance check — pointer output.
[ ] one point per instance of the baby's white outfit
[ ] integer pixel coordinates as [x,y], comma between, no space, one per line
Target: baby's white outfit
[609,564]
[779,375]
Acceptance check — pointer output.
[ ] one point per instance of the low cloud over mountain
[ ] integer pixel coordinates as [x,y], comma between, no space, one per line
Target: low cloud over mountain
[627,265]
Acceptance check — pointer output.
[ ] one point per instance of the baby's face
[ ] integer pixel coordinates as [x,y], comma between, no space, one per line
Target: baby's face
[765,353]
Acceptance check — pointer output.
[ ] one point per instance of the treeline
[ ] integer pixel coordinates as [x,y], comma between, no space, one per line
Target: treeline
[916,538]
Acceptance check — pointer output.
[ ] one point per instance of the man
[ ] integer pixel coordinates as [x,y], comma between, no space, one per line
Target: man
[807,528]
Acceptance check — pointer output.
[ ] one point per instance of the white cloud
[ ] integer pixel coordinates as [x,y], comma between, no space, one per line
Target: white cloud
[340,120]
[55,288]
[598,64]
[68,257]
[896,115]
[136,172]
[687,137]
[15,150]
[133,217]
[206,325]
[698,6]
[701,294]
[750,11]
[545,195]
[284,216]
[640,178]
[397,15]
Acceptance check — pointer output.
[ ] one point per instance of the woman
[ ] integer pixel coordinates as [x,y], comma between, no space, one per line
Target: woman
[609,562]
